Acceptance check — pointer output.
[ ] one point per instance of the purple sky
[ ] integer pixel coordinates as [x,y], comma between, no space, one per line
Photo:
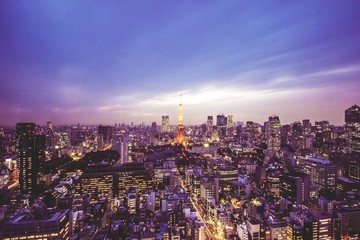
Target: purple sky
[122,61]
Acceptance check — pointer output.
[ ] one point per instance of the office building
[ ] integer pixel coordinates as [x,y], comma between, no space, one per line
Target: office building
[273,134]
[209,187]
[278,230]
[221,123]
[24,226]
[306,127]
[353,170]
[165,124]
[352,125]
[105,135]
[209,125]
[131,198]
[295,187]
[115,181]
[122,144]
[322,172]
[30,147]
[348,214]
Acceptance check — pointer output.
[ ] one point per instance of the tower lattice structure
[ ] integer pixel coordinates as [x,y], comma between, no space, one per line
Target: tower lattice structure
[180,138]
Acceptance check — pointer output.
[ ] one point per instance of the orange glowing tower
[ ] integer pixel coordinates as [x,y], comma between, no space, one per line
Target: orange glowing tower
[180,138]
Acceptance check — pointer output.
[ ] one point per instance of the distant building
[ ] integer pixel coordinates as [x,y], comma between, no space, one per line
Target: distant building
[297,141]
[229,124]
[30,147]
[105,134]
[221,123]
[122,144]
[322,172]
[273,134]
[209,125]
[352,124]
[306,126]
[252,131]
[165,124]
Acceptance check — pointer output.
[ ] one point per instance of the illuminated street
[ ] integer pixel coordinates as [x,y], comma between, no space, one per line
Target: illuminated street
[210,231]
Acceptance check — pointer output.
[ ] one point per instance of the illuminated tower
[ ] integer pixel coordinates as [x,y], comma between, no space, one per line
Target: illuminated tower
[180,138]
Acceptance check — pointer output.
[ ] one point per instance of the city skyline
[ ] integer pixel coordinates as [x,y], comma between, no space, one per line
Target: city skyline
[68,62]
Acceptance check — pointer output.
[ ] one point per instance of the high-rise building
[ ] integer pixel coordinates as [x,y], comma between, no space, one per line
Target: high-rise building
[51,139]
[153,127]
[322,172]
[306,126]
[229,124]
[221,120]
[209,125]
[209,187]
[49,125]
[349,217]
[105,132]
[221,123]
[77,135]
[252,130]
[165,124]
[274,134]
[153,132]
[121,143]
[295,187]
[229,121]
[297,141]
[352,124]
[30,147]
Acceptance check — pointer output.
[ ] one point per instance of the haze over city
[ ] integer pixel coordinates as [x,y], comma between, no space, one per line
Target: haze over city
[122,62]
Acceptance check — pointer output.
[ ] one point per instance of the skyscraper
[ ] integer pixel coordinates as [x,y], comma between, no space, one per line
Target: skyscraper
[274,134]
[121,143]
[221,123]
[229,124]
[230,121]
[352,124]
[209,125]
[31,156]
[165,126]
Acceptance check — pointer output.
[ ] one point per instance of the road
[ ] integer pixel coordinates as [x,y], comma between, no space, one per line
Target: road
[13,185]
[210,232]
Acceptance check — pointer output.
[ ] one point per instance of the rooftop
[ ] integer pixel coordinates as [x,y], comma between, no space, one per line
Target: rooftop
[319,161]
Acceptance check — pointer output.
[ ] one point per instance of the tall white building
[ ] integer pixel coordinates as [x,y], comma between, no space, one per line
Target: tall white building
[121,143]
[165,124]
